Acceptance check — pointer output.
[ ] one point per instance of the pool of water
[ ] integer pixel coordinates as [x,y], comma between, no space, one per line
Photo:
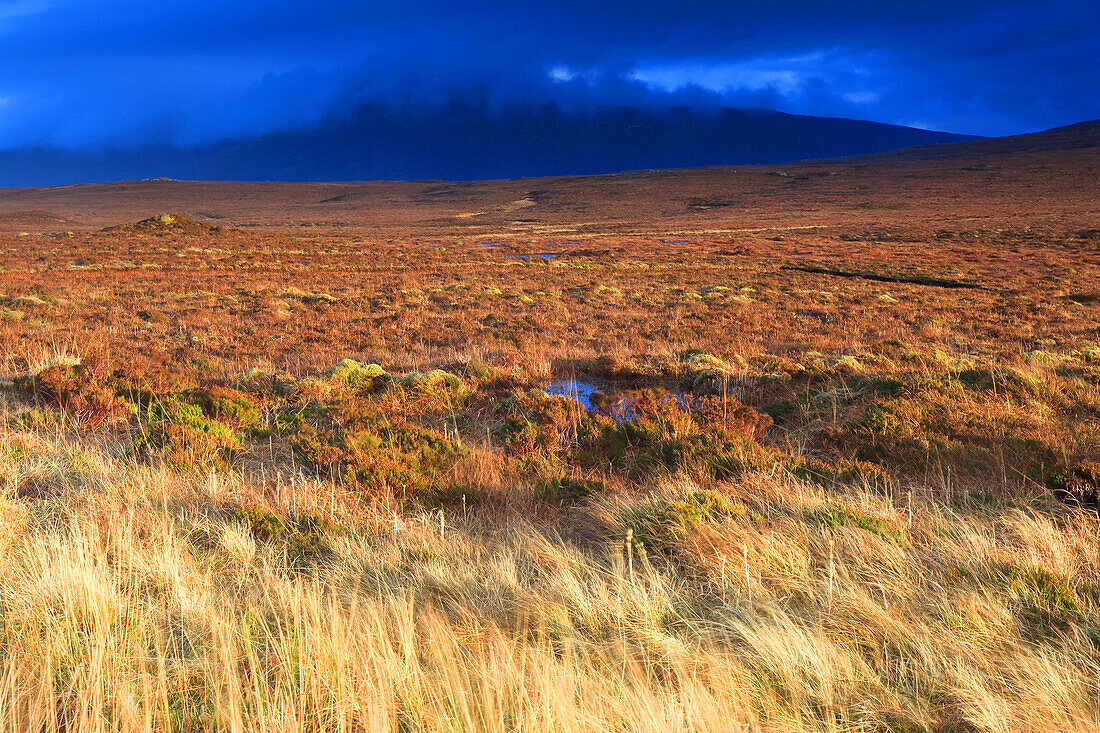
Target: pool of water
[605,398]
[544,255]
[575,390]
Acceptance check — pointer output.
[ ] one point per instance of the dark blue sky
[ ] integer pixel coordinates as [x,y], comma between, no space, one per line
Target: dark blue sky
[84,74]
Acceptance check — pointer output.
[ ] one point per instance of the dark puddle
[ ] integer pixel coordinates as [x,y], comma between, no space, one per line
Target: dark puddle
[488,244]
[543,255]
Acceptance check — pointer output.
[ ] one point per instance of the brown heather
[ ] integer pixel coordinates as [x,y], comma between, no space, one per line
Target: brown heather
[282,461]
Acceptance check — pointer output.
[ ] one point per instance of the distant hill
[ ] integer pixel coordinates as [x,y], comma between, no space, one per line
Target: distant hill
[469,141]
[1071,137]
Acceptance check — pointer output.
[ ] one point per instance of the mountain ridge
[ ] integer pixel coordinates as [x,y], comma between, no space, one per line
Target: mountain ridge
[470,142]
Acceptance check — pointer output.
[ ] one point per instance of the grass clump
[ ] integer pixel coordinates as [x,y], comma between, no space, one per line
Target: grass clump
[842,471]
[717,453]
[537,421]
[561,489]
[1042,601]
[262,524]
[707,374]
[357,442]
[77,390]
[482,374]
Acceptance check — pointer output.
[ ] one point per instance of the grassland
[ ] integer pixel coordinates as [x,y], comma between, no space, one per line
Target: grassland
[296,457]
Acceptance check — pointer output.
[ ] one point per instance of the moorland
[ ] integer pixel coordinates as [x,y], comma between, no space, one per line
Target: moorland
[784,448]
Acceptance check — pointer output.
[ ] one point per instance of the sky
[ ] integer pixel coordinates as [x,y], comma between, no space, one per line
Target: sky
[116,74]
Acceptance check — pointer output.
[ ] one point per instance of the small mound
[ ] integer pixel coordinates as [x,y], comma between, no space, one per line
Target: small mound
[165,224]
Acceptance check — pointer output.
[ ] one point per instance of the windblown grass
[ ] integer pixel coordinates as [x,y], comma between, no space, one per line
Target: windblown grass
[134,598]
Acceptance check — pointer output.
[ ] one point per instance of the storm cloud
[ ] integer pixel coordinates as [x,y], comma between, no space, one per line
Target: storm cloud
[89,74]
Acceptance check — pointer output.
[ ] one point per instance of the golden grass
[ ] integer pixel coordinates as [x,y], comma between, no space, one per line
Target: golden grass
[130,600]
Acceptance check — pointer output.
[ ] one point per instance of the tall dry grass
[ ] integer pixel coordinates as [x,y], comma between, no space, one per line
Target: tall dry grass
[131,600]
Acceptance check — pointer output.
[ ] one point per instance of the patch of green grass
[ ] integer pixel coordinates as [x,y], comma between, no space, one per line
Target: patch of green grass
[305,537]
[661,525]
[1043,602]
[838,515]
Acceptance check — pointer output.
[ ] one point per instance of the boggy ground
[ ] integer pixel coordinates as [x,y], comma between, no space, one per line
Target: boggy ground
[842,476]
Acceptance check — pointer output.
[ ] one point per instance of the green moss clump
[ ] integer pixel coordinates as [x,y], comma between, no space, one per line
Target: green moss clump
[848,364]
[367,378]
[437,387]
[1040,358]
[707,374]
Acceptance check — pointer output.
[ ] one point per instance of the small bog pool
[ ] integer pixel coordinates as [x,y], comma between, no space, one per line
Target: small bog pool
[608,399]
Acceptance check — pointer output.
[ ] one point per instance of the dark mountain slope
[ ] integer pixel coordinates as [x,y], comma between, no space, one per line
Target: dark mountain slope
[465,142]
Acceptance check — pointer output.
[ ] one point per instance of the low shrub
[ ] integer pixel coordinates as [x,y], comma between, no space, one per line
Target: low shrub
[182,434]
[560,489]
[358,443]
[78,390]
[226,405]
[1076,484]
